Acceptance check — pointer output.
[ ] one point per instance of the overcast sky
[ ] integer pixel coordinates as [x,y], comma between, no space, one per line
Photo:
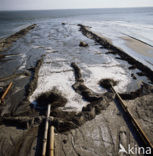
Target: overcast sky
[70,4]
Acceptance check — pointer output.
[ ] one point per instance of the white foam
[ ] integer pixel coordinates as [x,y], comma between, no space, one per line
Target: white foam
[23,61]
[53,76]
[113,71]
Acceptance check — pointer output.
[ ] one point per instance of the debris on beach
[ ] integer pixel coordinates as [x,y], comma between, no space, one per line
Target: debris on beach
[83,44]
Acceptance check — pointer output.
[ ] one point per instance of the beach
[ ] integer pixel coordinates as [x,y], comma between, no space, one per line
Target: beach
[67,63]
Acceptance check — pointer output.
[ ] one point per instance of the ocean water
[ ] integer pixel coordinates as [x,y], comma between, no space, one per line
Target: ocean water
[12,21]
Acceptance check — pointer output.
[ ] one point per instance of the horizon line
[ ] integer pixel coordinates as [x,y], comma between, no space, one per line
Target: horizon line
[77,8]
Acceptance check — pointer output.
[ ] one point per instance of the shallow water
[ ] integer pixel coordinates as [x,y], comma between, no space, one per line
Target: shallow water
[11,21]
[60,45]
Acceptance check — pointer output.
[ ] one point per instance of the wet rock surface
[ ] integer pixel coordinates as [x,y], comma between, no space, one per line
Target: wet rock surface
[87,118]
[83,44]
[6,43]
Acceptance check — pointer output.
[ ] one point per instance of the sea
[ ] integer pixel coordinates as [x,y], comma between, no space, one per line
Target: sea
[12,21]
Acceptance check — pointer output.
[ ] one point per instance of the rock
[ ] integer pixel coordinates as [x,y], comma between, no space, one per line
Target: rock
[107,83]
[53,97]
[133,76]
[27,73]
[92,113]
[140,74]
[20,122]
[1,89]
[2,56]
[143,89]
[132,67]
[83,44]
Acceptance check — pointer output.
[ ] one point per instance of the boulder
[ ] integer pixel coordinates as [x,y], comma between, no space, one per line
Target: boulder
[83,44]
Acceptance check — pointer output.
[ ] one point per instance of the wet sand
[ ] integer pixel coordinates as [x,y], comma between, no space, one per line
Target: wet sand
[139,47]
[87,117]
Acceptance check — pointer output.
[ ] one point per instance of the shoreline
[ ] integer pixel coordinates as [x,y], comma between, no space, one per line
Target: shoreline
[7,42]
[94,123]
[104,42]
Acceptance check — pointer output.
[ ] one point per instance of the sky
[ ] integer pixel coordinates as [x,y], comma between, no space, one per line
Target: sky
[70,4]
